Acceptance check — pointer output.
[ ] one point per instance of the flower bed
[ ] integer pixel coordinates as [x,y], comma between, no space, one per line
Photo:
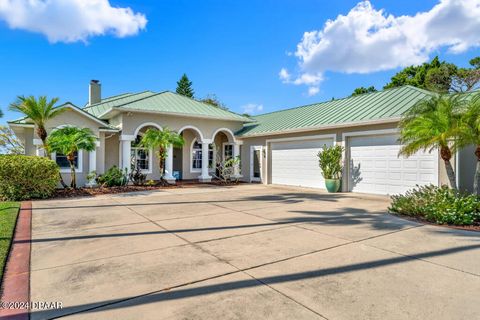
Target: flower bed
[439,205]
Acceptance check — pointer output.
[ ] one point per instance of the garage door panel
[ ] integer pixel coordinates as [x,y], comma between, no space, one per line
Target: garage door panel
[410,164]
[296,162]
[412,176]
[395,176]
[375,166]
[425,164]
[381,164]
[394,164]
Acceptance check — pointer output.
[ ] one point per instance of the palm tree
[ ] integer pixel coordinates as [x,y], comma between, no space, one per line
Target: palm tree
[161,140]
[39,111]
[433,124]
[470,134]
[68,141]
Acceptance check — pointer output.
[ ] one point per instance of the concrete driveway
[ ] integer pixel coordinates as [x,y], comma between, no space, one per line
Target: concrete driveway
[248,252]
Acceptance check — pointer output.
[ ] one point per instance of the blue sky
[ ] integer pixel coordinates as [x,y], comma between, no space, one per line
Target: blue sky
[234,49]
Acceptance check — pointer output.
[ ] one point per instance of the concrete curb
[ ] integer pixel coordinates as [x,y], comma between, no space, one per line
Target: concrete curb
[16,280]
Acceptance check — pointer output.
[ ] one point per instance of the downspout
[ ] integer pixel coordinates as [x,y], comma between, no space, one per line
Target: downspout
[457,168]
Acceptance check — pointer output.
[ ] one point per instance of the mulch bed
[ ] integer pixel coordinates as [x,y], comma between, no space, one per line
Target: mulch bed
[475,228]
[90,192]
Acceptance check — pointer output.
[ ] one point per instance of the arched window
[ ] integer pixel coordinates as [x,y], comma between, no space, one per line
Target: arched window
[141,158]
[197,156]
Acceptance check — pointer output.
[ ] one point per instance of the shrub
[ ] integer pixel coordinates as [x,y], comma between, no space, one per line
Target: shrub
[27,177]
[441,205]
[137,177]
[113,177]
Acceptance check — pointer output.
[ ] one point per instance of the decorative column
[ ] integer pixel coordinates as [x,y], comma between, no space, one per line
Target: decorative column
[168,176]
[236,153]
[39,147]
[205,177]
[92,164]
[126,141]
[92,160]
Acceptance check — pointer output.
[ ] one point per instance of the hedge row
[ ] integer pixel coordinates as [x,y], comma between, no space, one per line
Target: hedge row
[27,177]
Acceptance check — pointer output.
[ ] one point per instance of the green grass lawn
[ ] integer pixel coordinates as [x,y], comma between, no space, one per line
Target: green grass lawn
[8,217]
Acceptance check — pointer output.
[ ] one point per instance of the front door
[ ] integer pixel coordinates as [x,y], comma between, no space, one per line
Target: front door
[256,163]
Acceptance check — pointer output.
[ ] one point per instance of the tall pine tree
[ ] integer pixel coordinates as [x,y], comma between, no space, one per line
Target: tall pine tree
[184,87]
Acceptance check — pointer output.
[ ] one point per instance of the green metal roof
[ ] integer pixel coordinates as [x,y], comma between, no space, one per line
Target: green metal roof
[118,96]
[106,126]
[163,102]
[107,104]
[385,105]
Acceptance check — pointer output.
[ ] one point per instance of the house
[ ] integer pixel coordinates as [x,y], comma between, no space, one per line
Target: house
[275,148]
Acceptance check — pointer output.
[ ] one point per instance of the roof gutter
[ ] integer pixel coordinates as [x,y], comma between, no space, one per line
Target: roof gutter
[23,125]
[317,128]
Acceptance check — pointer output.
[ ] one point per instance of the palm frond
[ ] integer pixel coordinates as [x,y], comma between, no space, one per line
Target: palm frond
[432,123]
[37,110]
[469,128]
[69,139]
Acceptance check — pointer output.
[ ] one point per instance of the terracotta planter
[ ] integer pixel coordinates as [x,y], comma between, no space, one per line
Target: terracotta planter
[332,185]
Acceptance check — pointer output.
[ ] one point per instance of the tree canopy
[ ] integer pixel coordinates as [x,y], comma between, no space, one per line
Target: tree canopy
[430,124]
[213,100]
[438,76]
[184,87]
[9,143]
[161,140]
[362,90]
[37,110]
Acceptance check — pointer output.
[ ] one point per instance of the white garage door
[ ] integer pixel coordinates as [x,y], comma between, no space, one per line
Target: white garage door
[376,168]
[295,163]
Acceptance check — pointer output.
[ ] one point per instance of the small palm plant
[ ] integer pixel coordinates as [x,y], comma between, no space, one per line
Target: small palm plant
[161,140]
[68,141]
[39,111]
[433,124]
[330,162]
[470,134]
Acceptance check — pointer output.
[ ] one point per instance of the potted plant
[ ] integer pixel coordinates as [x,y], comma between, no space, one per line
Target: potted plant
[330,162]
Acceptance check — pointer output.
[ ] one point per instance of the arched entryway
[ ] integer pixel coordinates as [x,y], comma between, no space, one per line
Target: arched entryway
[188,161]
[226,146]
[141,158]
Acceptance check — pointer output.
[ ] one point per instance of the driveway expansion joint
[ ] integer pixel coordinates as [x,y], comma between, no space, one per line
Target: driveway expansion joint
[414,257]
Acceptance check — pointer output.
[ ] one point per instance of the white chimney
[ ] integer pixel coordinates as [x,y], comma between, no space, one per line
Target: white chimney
[94,92]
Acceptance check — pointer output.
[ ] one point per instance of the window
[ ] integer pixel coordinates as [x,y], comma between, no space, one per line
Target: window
[62,161]
[139,157]
[197,156]
[227,151]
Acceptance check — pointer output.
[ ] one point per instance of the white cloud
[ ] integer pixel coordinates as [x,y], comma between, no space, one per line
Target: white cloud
[284,75]
[313,91]
[252,108]
[369,40]
[71,20]
[312,80]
